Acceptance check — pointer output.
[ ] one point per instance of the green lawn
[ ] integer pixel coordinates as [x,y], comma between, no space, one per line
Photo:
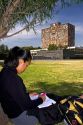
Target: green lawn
[60,77]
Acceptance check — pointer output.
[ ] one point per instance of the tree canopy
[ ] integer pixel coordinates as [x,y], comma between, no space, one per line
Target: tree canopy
[28,13]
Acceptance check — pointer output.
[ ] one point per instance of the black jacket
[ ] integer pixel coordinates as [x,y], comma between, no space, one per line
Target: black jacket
[13,96]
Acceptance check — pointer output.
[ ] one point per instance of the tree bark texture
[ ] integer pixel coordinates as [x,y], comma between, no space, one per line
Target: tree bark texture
[7,18]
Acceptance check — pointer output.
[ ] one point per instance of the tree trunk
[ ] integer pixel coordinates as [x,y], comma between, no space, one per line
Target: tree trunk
[7,18]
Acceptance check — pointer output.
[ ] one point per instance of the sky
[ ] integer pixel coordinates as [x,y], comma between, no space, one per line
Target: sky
[72,14]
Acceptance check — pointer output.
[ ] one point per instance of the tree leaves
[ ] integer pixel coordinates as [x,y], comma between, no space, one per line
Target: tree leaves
[27,12]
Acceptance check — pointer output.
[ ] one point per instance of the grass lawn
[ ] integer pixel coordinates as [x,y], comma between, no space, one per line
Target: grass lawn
[60,77]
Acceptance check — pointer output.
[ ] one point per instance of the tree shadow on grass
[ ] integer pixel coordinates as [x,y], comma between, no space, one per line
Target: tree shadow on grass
[61,88]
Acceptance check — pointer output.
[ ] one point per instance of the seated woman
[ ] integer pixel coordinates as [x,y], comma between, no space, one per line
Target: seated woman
[14,98]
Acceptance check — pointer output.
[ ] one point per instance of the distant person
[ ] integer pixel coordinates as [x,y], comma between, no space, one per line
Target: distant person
[14,98]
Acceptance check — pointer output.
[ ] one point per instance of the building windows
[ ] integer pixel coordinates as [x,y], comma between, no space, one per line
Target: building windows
[58,34]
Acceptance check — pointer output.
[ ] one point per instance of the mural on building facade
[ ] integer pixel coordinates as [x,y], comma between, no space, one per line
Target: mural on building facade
[58,34]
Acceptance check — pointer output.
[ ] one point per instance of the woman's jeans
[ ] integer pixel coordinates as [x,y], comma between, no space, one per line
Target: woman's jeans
[24,119]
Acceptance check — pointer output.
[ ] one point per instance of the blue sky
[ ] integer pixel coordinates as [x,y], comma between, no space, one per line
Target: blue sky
[72,14]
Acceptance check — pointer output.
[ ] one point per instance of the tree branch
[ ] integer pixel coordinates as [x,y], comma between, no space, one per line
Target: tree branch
[6,18]
[19,31]
[15,32]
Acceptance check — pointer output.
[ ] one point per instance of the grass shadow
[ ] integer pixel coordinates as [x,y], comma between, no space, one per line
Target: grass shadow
[61,88]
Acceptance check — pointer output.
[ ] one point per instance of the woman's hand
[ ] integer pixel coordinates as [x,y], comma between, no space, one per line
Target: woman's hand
[33,93]
[43,96]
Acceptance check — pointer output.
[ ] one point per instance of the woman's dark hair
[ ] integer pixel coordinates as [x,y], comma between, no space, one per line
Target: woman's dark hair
[15,54]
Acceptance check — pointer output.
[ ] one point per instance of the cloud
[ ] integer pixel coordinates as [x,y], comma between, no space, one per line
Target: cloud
[24,33]
[10,42]
[79,29]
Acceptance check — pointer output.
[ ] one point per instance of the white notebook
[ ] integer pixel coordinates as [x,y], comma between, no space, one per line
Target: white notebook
[48,101]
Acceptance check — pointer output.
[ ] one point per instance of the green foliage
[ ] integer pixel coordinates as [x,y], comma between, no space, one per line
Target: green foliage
[55,47]
[65,3]
[3,48]
[30,48]
[27,12]
[3,51]
[52,47]
[3,5]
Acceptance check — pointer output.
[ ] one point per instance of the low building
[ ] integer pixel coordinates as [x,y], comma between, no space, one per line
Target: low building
[70,53]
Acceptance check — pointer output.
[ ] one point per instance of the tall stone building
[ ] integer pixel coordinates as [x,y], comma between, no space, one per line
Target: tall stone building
[58,34]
